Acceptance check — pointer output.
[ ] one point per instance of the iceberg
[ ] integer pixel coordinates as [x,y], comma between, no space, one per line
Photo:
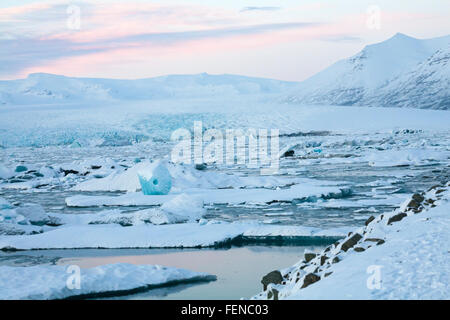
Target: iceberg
[155,180]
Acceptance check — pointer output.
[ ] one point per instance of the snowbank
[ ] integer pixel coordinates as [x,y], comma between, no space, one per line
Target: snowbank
[399,255]
[44,282]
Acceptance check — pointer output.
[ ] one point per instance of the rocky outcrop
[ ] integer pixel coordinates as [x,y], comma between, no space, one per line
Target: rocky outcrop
[274,277]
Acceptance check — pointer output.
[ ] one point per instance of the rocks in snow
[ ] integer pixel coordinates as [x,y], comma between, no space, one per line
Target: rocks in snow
[309,279]
[369,220]
[378,241]
[309,256]
[315,267]
[272,294]
[274,277]
[397,217]
[350,243]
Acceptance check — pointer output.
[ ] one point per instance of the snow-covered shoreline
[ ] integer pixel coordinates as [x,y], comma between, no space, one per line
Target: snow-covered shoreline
[399,255]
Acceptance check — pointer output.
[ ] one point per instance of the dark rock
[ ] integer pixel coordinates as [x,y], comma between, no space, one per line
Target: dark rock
[323,259]
[309,279]
[201,166]
[359,249]
[274,277]
[413,204]
[327,274]
[309,256]
[397,217]
[351,242]
[418,198]
[335,260]
[95,167]
[369,220]
[434,187]
[272,293]
[440,191]
[289,153]
[70,171]
[9,249]
[378,241]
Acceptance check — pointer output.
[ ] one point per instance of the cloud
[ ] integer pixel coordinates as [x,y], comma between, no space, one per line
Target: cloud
[112,34]
[19,54]
[246,9]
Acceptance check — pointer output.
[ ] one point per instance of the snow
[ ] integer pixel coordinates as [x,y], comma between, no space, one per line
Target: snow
[405,156]
[426,85]
[43,282]
[187,235]
[412,263]
[41,88]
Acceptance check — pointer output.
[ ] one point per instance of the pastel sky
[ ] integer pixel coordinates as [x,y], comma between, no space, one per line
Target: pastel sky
[287,39]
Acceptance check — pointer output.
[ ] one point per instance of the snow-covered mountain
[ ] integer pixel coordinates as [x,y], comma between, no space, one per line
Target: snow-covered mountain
[401,71]
[41,88]
[426,86]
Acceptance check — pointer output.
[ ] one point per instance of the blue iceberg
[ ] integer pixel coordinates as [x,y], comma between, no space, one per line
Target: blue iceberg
[156,180]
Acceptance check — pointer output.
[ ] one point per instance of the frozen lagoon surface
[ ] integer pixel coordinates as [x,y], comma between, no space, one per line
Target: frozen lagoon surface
[380,155]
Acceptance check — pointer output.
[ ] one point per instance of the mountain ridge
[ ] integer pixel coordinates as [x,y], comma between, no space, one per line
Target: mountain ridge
[401,71]
[359,79]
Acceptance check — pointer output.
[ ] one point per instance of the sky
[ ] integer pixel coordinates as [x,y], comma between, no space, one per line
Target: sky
[284,39]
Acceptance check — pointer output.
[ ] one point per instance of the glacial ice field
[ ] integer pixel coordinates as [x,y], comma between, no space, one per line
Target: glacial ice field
[69,180]
[348,162]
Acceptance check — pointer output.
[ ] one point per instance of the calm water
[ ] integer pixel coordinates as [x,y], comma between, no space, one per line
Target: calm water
[238,270]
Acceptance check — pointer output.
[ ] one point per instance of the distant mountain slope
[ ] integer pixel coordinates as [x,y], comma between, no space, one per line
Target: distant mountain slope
[396,72]
[399,72]
[48,88]
[426,86]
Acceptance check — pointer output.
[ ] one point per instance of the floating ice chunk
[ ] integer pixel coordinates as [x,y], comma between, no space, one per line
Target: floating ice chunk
[36,215]
[50,282]
[11,216]
[4,204]
[184,205]
[159,217]
[21,169]
[6,173]
[48,172]
[155,179]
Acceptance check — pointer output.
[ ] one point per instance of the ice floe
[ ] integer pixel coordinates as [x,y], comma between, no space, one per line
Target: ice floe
[45,282]
[216,196]
[202,234]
